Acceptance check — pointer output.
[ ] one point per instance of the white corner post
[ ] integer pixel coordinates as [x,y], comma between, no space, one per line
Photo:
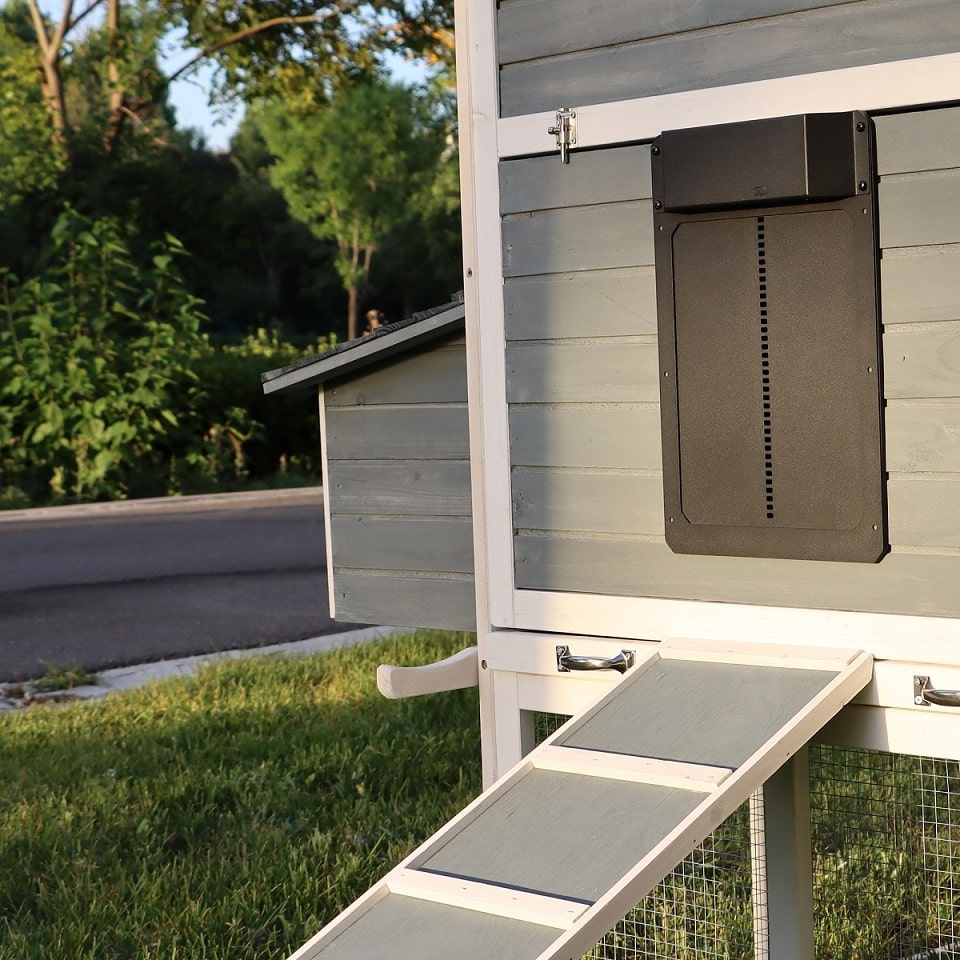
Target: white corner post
[788,861]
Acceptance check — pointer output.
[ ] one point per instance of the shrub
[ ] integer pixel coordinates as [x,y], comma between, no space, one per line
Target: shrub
[96,362]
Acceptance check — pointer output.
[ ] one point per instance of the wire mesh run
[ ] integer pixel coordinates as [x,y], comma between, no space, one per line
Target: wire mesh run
[885,834]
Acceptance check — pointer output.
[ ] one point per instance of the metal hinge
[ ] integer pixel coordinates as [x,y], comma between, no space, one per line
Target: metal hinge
[565,130]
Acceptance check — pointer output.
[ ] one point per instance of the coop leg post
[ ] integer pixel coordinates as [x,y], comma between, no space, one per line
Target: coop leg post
[789,891]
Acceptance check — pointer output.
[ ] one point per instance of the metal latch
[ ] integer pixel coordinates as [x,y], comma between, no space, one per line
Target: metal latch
[565,130]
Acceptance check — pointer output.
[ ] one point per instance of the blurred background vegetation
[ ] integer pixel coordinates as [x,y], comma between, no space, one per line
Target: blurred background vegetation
[146,281]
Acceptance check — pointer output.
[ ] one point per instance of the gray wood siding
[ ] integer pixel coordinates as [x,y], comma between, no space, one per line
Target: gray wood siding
[405,601]
[567,52]
[583,392]
[398,491]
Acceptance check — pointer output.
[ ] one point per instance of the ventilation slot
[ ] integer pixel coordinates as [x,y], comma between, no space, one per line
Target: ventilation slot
[765,367]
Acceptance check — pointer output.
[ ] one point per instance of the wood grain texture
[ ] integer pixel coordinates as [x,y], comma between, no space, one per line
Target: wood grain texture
[437,488]
[435,375]
[922,285]
[529,29]
[598,176]
[588,502]
[626,821]
[920,210]
[432,545]
[409,928]
[578,238]
[405,601]
[923,437]
[901,583]
[619,436]
[398,433]
[578,372]
[847,35]
[591,303]
[925,511]
[920,140]
[922,361]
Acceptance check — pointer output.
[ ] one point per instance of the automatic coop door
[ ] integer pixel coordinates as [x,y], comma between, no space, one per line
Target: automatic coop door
[766,262]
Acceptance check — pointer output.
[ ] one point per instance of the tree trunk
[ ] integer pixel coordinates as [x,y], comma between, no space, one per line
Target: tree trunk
[353,301]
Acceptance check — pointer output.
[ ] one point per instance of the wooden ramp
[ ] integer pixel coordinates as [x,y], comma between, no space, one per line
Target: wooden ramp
[557,851]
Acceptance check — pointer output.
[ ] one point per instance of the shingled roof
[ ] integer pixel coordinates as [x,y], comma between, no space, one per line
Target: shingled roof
[385,341]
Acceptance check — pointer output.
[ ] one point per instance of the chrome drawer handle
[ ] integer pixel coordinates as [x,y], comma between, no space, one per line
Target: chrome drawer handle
[924,694]
[567,661]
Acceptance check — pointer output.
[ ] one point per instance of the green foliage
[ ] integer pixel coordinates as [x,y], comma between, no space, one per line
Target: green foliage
[362,168]
[230,815]
[95,359]
[30,161]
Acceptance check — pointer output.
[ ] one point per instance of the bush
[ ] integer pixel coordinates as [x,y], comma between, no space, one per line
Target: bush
[108,389]
[95,364]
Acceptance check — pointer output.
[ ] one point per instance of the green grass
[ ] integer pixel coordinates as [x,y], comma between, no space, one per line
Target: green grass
[226,816]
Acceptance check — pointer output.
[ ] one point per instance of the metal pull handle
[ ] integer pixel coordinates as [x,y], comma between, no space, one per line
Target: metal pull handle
[924,694]
[567,661]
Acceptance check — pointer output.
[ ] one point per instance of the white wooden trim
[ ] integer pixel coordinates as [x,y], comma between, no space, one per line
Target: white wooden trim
[780,655]
[886,636]
[565,693]
[486,898]
[477,111]
[616,766]
[453,673]
[327,524]
[919,731]
[789,862]
[899,83]
[328,933]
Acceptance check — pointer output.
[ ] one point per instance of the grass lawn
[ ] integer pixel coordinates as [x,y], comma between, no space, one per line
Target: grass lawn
[225,816]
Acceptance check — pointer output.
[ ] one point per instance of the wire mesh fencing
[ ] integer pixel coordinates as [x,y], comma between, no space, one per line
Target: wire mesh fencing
[885,832]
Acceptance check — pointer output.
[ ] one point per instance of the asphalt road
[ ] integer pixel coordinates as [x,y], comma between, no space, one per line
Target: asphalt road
[109,585]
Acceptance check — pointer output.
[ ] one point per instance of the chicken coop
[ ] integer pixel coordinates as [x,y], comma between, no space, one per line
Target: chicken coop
[691,471]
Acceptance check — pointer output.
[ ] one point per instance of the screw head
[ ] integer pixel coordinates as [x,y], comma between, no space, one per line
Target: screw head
[861,126]
[655,150]
[862,185]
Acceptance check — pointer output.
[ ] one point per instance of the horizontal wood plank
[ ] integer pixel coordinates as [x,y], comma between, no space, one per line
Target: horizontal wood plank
[407,488]
[847,35]
[578,238]
[901,583]
[626,437]
[398,433]
[924,511]
[579,372]
[505,902]
[432,375]
[922,361]
[405,601]
[598,176]
[529,29]
[587,502]
[618,766]
[923,437]
[920,210]
[922,286]
[435,545]
[918,140]
[590,303]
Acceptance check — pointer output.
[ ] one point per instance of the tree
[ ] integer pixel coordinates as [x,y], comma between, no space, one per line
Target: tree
[27,163]
[359,169]
[98,59]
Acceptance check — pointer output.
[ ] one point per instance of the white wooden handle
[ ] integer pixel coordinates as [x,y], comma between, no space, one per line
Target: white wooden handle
[454,673]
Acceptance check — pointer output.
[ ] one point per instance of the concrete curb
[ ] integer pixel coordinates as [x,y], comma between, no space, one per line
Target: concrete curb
[195,504]
[129,678]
